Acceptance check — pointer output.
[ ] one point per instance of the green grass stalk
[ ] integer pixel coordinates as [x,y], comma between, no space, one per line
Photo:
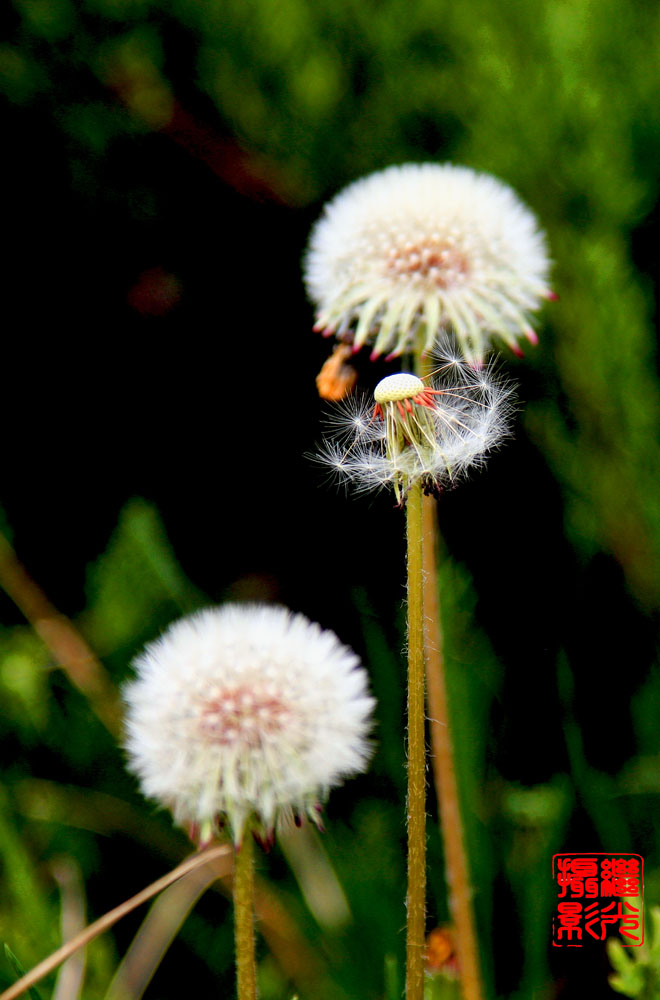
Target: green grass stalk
[105,922]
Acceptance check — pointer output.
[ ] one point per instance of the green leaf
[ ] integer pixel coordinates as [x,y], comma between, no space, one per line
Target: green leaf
[137,585]
[18,969]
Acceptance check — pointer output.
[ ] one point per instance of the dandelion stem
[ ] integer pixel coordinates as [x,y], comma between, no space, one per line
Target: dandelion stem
[444,774]
[442,758]
[246,967]
[416,754]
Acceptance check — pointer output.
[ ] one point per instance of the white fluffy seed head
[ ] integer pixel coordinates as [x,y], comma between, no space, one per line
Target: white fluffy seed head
[400,386]
[465,418]
[245,712]
[410,252]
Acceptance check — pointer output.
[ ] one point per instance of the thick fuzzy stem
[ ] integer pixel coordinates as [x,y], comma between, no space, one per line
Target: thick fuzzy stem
[416,754]
[442,757]
[246,966]
[444,774]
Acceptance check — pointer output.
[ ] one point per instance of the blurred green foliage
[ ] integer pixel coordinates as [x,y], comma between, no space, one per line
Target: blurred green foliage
[638,971]
[510,828]
[137,585]
[558,99]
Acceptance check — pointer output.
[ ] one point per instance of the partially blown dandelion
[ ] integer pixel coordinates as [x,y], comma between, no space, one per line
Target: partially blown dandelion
[246,712]
[408,253]
[418,433]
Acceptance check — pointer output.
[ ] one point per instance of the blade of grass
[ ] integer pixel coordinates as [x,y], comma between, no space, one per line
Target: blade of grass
[108,919]
[67,646]
[159,929]
[18,969]
[72,921]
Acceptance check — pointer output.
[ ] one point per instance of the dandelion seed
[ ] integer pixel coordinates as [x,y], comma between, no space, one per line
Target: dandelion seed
[417,432]
[246,712]
[410,252]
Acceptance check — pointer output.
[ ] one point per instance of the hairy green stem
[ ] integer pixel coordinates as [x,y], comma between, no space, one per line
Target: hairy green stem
[246,966]
[444,773]
[416,900]
[445,781]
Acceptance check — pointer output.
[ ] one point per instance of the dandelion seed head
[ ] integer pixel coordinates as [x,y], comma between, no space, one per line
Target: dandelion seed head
[410,252]
[245,711]
[430,432]
[399,386]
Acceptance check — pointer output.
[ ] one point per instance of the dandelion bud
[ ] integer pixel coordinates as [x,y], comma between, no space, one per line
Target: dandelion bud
[246,713]
[409,253]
